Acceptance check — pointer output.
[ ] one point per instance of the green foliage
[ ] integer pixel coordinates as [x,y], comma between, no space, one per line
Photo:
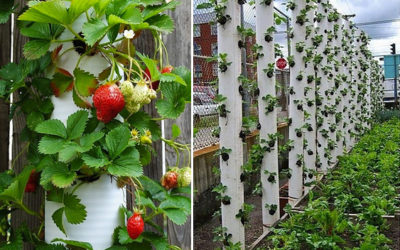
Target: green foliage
[66,155]
[366,183]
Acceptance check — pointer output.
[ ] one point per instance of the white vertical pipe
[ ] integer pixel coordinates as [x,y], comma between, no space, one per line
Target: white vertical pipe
[330,99]
[338,97]
[268,122]
[297,116]
[228,38]
[310,152]
[357,83]
[347,87]
[322,27]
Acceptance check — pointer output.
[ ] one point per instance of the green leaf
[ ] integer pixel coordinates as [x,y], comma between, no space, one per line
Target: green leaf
[62,81]
[46,106]
[177,201]
[16,190]
[43,85]
[50,145]
[52,127]
[52,11]
[12,72]
[58,219]
[100,7]
[141,121]
[185,74]
[85,82]
[78,7]
[133,16]
[162,23]
[151,11]
[37,30]
[176,131]
[88,140]
[128,164]
[74,210]
[95,158]
[169,77]
[73,244]
[151,65]
[55,195]
[68,152]
[6,8]
[94,31]
[117,140]
[123,236]
[158,241]
[62,177]
[35,49]
[76,124]
[80,101]
[176,215]
[5,180]
[173,102]
[33,119]
[154,188]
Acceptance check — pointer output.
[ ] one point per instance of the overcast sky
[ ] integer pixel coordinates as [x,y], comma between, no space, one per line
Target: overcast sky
[366,11]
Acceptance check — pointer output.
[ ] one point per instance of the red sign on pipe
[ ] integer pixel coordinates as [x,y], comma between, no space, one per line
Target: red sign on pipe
[281,63]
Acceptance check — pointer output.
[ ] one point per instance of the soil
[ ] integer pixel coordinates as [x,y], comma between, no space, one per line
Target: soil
[203,234]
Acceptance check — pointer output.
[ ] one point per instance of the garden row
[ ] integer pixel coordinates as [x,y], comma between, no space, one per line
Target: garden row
[353,206]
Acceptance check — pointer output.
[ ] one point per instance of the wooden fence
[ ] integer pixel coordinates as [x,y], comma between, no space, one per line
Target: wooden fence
[179,47]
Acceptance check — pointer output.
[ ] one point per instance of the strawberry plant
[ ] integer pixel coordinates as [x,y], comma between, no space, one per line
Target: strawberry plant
[106,134]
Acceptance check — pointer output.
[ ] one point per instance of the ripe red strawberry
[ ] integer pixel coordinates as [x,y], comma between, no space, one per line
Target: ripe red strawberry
[32,182]
[154,85]
[135,225]
[108,101]
[169,180]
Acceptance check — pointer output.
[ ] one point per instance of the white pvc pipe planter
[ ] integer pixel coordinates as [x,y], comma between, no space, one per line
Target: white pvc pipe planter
[268,122]
[102,198]
[228,38]
[296,115]
[310,151]
[322,143]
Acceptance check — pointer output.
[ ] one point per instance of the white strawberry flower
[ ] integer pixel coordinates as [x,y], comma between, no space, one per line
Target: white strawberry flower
[168,1]
[129,34]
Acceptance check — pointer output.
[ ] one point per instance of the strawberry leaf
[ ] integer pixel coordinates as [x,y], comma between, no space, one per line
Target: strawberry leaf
[61,82]
[85,82]
[75,211]
[58,219]
[72,244]
[95,158]
[94,31]
[78,7]
[52,127]
[53,11]
[80,101]
[62,177]
[151,65]
[50,145]
[117,141]
[128,164]
[76,124]
[162,23]
[173,102]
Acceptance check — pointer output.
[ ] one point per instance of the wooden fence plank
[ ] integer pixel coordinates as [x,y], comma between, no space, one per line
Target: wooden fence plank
[179,47]
[5,45]
[33,201]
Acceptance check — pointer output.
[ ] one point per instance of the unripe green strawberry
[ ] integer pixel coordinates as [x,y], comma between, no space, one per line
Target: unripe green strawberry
[152,94]
[184,177]
[127,89]
[141,92]
[132,107]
